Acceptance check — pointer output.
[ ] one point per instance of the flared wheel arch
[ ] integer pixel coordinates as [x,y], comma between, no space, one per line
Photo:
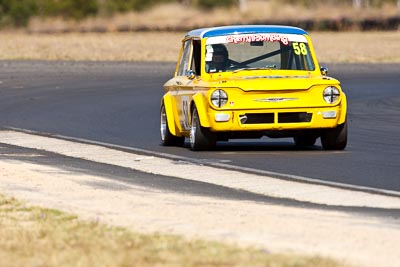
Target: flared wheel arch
[167,137]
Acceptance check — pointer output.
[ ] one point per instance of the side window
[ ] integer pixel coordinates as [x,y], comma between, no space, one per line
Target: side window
[196,57]
[185,60]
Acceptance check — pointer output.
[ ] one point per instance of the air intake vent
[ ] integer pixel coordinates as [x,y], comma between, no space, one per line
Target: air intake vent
[257,118]
[293,117]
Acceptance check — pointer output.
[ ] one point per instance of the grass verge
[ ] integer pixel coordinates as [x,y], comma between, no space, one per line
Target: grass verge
[34,236]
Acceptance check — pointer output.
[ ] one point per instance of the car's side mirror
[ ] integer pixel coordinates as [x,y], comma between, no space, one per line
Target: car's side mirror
[190,74]
[324,70]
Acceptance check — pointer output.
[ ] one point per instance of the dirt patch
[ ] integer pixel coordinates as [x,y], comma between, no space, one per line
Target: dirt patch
[35,236]
[351,238]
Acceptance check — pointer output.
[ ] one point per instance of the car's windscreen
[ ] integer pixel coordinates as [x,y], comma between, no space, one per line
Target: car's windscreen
[258,51]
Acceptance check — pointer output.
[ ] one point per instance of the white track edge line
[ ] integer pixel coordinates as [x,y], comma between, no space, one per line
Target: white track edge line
[276,175]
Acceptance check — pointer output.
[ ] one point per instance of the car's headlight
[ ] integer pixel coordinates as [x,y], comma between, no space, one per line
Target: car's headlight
[219,98]
[331,94]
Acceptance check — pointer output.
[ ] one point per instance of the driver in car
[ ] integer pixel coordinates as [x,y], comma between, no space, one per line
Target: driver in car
[219,61]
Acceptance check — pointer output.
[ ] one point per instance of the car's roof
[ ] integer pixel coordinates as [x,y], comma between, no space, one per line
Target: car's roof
[243,29]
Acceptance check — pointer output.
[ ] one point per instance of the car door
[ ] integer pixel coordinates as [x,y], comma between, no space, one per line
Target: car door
[185,80]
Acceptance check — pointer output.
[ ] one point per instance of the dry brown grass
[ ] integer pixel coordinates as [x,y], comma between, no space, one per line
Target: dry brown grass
[91,46]
[364,47]
[32,236]
[164,46]
[174,15]
[357,47]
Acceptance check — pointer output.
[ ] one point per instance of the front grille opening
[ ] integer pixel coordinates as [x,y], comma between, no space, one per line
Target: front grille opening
[256,118]
[293,117]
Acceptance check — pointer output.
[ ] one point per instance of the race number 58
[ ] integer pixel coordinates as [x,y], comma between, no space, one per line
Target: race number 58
[300,49]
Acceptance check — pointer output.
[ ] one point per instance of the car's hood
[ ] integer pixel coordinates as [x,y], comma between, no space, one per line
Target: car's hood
[262,83]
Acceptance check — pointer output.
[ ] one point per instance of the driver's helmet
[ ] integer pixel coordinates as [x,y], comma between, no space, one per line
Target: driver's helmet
[219,60]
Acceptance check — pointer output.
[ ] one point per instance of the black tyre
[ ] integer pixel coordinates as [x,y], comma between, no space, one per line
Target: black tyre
[200,138]
[305,140]
[336,138]
[167,138]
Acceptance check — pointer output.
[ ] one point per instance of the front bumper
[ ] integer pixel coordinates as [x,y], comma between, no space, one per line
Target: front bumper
[275,119]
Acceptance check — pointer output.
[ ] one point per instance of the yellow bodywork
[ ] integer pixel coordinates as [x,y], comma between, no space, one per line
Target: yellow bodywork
[272,92]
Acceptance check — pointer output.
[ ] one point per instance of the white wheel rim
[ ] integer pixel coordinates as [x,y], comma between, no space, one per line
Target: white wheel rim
[163,124]
[193,129]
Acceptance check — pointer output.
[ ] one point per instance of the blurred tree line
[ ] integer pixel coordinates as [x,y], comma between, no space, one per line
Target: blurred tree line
[354,3]
[18,12]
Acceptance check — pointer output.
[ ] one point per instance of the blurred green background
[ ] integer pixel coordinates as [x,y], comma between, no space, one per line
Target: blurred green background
[17,13]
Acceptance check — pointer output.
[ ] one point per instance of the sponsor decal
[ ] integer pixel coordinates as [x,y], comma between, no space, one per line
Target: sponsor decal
[258,38]
[184,115]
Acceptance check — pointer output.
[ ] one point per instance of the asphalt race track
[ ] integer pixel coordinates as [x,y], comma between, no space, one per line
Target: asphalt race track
[118,103]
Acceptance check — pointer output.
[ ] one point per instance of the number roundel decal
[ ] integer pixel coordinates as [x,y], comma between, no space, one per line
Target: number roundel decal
[300,49]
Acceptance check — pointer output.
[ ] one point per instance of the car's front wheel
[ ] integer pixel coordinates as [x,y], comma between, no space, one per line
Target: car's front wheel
[201,138]
[167,138]
[336,138]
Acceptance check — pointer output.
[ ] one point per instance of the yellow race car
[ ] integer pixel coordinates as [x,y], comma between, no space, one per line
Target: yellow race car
[248,82]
